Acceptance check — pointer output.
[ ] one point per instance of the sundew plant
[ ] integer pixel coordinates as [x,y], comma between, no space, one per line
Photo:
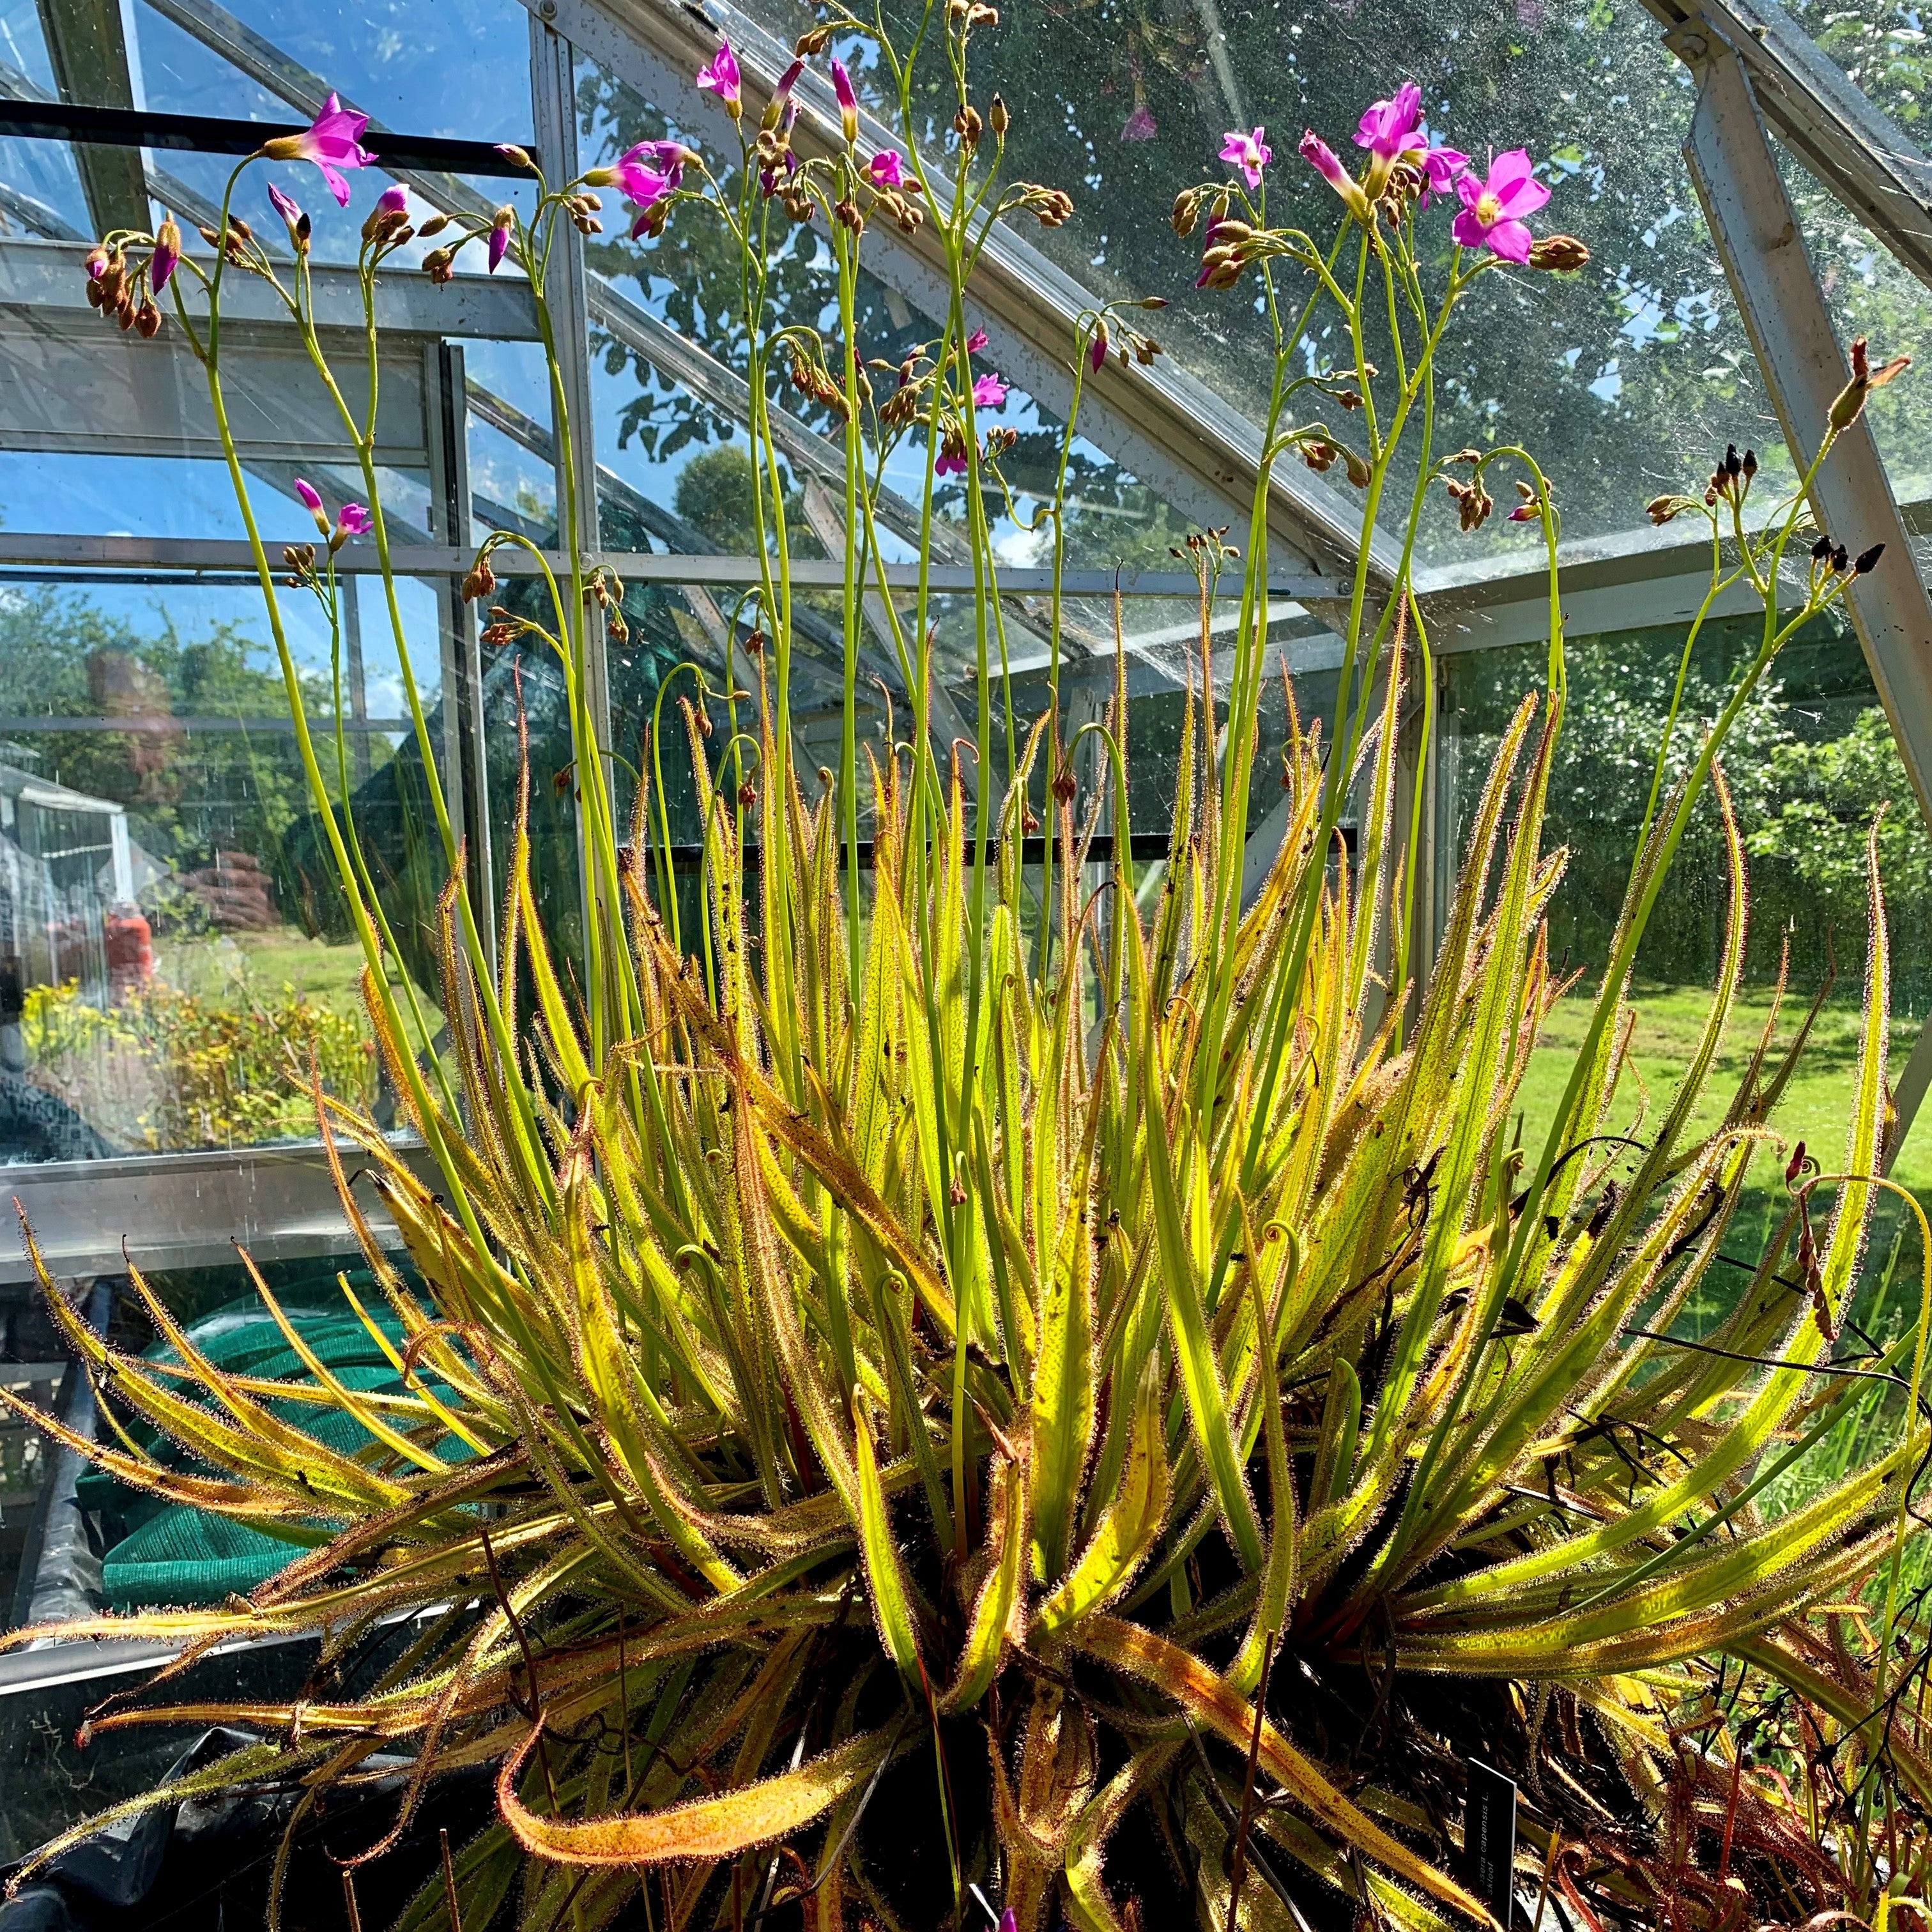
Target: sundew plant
[935,1388]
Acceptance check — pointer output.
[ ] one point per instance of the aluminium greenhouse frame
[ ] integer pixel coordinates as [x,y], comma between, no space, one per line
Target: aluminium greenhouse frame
[1754,66]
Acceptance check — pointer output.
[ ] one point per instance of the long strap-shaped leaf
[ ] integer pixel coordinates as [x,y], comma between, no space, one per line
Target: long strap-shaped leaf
[1211,1700]
[702,1829]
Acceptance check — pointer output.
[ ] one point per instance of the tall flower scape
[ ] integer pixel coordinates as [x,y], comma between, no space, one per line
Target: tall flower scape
[910,1370]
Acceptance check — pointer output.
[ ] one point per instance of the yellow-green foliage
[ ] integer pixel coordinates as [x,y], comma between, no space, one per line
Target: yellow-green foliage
[946,1307]
[172,1070]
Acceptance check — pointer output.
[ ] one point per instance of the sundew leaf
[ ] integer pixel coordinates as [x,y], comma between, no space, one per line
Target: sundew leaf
[700,1828]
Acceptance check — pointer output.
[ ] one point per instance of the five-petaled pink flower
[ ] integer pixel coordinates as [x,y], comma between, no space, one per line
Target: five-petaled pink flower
[355,520]
[1248,152]
[848,99]
[333,143]
[988,393]
[643,185]
[1493,210]
[1139,125]
[719,76]
[886,168]
[1388,129]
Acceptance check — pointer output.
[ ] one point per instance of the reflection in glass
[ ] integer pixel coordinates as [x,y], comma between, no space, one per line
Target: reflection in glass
[173,948]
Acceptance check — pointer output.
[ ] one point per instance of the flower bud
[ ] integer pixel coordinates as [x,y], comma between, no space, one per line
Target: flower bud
[1661,509]
[518,156]
[966,125]
[813,40]
[436,264]
[748,793]
[1821,551]
[1866,560]
[1841,560]
[96,262]
[1850,401]
[124,314]
[1187,211]
[1563,254]
[1360,474]
[479,582]
[997,118]
[147,322]
[167,253]
[614,623]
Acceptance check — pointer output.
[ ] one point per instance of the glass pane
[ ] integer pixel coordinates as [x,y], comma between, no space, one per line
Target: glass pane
[1624,379]
[112,435]
[1881,45]
[420,70]
[651,424]
[1811,757]
[173,940]
[1870,294]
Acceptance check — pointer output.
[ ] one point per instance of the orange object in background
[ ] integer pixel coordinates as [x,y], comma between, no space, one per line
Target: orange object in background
[131,950]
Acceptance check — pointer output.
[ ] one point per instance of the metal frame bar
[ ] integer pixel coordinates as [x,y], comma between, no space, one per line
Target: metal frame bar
[1856,150]
[118,127]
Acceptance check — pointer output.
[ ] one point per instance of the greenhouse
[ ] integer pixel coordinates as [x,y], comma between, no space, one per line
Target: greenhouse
[935,989]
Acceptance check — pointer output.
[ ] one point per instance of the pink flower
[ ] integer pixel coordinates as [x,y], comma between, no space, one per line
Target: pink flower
[988,393]
[787,81]
[642,185]
[1008,1921]
[392,201]
[1250,153]
[500,237]
[355,520]
[1492,212]
[1440,167]
[848,99]
[1388,130]
[719,76]
[1139,125]
[333,143]
[1525,513]
[1319,156]
[976,342]
[1096,356]
[886,168]
[950,466]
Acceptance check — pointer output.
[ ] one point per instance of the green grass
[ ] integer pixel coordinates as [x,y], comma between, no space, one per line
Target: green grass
[1816,1105]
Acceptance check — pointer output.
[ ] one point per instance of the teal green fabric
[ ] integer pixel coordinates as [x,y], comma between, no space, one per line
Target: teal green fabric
[168,1554]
